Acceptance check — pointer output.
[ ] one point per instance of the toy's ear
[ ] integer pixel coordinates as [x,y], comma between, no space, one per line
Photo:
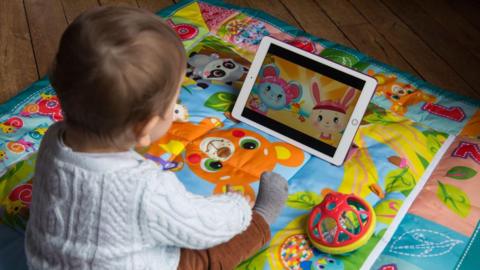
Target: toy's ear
[193,158]
[288,155]
[348,97]
[315,91]
[270,71]
[211,122]
[295,90]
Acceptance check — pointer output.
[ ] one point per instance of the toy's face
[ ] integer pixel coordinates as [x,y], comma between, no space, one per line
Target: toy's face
[14,207]
[235,156]
[180,113]
[272,95]
[222,70]
[399,93]
[328,121]
[6,128]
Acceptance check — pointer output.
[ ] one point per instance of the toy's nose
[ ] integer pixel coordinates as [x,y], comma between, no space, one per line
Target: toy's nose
[224,152]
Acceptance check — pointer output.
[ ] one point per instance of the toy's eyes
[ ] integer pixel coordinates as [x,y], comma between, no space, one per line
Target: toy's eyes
[249,143]
[279,96]
[409,91]
[218,73]
[229,64]
[395,97]
[211,165]
[268,88]
[398,90]
[319,118]
[335,120]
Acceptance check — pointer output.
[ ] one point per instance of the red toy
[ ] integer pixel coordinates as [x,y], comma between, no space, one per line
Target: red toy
[341,223]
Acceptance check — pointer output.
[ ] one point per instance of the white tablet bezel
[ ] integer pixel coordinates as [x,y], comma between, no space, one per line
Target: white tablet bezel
[353,123]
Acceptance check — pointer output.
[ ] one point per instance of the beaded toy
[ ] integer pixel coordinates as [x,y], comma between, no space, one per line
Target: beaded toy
[341,223]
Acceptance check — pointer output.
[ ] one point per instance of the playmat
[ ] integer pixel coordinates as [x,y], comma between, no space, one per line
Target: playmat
[417,160]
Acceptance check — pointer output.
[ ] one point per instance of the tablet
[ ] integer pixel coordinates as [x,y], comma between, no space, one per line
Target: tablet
[304,99]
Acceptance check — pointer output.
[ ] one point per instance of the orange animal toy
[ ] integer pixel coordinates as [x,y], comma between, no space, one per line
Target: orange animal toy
[400,94]
[231,158]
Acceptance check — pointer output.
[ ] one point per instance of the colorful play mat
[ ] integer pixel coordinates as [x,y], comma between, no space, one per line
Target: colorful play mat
[417,161]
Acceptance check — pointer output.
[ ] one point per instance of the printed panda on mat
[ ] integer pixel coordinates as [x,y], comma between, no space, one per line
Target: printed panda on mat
[207,68]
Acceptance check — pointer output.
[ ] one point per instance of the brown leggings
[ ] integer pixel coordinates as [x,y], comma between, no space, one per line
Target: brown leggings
[228,255]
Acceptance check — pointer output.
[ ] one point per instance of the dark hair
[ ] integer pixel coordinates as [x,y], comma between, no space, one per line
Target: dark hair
[116,66]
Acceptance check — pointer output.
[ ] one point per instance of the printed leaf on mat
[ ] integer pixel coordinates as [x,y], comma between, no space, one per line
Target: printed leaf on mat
[434,140]
[461,173]
[423,243]
[399,180]
[386,210]
[423,160]
[380,118]
[256,262]
[304,200]
[454,198]
[221,101]
[341,57]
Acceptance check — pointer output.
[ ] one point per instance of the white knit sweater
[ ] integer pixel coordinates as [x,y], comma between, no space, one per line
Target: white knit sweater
[119,211]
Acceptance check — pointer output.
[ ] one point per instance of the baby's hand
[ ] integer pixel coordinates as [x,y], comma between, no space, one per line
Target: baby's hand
[230,189]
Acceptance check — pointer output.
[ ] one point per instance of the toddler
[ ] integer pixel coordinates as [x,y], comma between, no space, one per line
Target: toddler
[97,204]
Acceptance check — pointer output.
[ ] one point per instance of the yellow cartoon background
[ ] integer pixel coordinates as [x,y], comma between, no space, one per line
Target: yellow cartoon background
[297,115]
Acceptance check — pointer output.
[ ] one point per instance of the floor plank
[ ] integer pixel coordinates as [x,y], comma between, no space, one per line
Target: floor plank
[276,9]
[241,3]
[411,47]
[437,39]
[469,10]
[130,3]
[363,35]
[45,30]
[315,21]
[447,47]
[154,5]
[456,24]
[17,63]
[73,8]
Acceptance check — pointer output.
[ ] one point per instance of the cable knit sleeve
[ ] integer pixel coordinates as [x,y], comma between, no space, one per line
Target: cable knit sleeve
[175,217]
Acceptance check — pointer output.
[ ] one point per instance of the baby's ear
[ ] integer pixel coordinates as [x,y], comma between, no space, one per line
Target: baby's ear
[143,130]
[270,71]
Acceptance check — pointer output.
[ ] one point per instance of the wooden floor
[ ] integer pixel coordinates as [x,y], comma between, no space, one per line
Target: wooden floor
[437,40]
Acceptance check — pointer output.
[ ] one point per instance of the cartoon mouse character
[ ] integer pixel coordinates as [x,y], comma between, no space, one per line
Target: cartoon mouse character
[274,92]
[329,116]
[206,68]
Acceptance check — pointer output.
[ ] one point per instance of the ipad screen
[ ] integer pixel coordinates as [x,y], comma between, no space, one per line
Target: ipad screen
[303,99]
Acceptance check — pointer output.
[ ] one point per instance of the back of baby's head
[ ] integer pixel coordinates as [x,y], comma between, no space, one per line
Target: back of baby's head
[115,67]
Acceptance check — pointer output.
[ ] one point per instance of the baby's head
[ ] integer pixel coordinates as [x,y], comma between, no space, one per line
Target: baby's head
[117,74]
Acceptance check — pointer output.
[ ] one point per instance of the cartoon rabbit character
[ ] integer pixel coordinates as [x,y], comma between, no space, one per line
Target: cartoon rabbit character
[329,116]
[274,92]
